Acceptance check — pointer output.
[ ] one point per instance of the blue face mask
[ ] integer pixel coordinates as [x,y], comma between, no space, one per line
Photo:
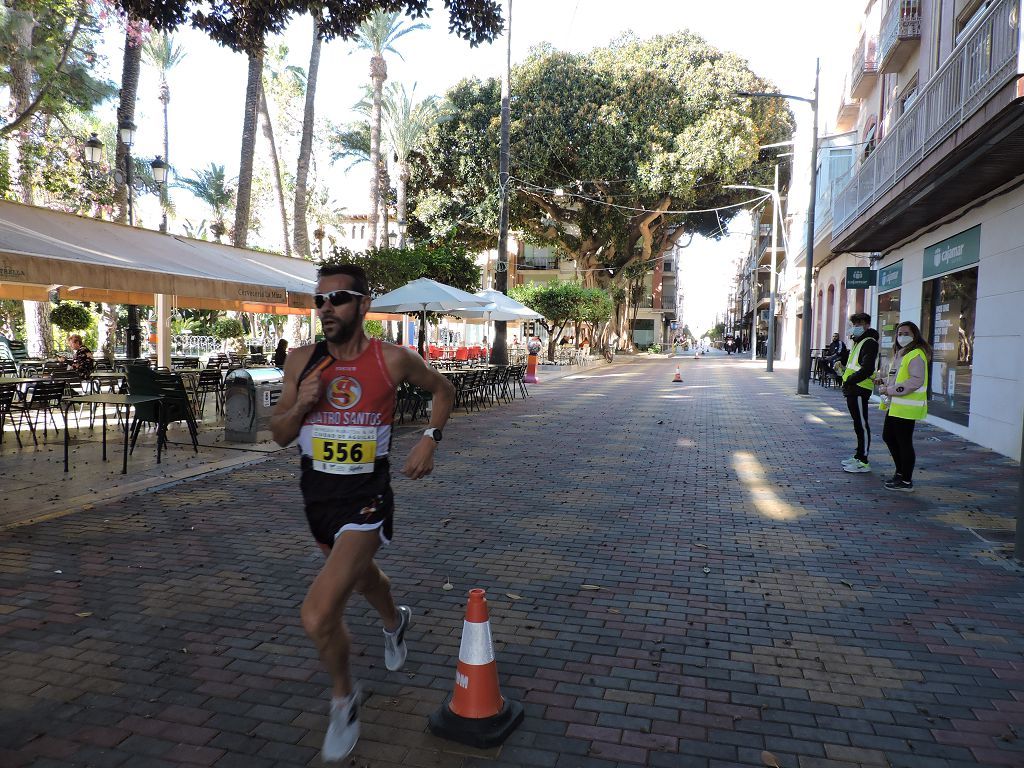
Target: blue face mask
[857,331]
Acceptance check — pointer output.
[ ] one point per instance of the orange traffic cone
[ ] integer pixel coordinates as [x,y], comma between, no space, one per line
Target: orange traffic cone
[678,378]
[475,713]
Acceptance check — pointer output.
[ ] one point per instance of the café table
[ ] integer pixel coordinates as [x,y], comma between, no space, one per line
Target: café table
[104,399]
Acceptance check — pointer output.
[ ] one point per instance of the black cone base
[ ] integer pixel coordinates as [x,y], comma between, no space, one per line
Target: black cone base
[482,733]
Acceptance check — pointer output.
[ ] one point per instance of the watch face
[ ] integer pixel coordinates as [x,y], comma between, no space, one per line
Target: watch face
[435,433]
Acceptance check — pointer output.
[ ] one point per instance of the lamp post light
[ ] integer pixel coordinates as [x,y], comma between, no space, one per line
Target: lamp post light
[93,149]
[804,378]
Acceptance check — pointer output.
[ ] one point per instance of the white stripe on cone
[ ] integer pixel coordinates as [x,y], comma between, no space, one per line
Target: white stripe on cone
[476,648]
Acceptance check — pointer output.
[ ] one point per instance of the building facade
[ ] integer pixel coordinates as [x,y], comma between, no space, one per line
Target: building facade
[932,202]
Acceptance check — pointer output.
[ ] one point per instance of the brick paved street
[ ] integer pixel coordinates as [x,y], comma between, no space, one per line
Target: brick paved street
[678,575]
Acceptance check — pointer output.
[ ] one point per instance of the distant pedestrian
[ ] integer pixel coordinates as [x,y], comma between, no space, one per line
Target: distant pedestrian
[905,400]
[858,383]
[281,353]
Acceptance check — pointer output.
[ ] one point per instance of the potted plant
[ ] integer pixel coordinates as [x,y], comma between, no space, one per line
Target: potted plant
[230,329]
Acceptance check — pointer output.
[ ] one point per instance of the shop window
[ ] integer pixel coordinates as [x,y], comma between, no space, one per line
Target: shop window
[948,308]
[888,319]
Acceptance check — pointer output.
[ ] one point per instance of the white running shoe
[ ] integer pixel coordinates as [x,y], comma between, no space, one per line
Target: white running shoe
[395,649]
[857,466]
[343,729]
[851,460]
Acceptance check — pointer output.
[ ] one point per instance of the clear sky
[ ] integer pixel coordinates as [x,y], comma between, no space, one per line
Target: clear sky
[780,39]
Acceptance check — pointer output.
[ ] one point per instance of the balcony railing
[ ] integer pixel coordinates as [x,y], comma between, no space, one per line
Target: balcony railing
[980,65]
[865,67]
[538,262]
[902,22]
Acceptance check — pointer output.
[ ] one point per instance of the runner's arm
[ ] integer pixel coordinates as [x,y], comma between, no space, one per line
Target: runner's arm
[296,399]
[421,459]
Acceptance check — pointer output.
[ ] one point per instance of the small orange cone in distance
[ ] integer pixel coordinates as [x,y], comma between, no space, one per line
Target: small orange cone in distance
[476,713]
[678,378]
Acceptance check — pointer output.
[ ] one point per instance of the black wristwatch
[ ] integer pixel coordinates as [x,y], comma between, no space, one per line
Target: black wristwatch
[433,432]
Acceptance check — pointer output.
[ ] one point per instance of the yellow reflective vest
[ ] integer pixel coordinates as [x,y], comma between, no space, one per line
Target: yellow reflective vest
[853,365]
[913,405]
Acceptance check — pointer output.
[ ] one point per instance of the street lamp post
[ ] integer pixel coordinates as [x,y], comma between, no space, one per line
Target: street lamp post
[93,149]
[804,378]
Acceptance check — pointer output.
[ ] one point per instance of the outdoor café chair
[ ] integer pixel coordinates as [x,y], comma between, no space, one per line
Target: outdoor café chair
[210,383]
[519,377]
[43,398]
[8,369]
[8,394]
[175,405]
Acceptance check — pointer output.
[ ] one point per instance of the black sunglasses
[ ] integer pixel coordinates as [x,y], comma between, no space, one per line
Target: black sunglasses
[337,298]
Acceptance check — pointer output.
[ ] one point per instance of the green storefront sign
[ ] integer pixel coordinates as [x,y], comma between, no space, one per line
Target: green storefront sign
[954,253]
[891,277]
[860,277]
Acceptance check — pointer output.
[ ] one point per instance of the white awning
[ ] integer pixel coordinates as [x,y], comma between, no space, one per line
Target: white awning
[92,260]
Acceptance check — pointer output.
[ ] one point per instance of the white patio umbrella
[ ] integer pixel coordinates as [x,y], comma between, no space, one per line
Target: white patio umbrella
[499,307]
[425,295]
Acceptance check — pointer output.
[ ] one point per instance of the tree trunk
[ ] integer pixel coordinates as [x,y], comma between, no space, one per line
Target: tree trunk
[403,202]
[106,332]
[275,161]
[299,222]
[130,68]
[22,25]
[385,189]
[378,74]
[244,200]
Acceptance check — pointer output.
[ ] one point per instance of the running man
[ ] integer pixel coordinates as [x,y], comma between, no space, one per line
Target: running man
[339,401]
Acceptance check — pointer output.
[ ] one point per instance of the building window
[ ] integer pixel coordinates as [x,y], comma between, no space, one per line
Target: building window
[869,140]
[909,95]
[948,308]
[362,231]
[968,16]
[353,231]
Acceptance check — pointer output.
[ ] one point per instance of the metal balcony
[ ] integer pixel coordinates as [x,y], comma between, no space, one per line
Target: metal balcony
[865,68]
[984,64]
[901,32]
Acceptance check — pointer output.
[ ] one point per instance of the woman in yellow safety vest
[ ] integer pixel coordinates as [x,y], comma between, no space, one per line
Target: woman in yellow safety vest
[905,399]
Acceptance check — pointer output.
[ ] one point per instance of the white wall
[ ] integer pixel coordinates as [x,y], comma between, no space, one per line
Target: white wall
[997,396]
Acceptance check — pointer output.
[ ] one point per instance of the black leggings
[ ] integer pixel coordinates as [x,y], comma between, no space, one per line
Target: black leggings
[898,435]
[858,405]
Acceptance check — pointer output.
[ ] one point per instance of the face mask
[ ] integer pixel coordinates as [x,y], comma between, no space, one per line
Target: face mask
[904,340]
[856,331]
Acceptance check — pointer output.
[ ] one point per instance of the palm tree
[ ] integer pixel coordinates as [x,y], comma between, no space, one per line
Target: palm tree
[407,123]
[301,226]
[378,34]
[211,186]
[254,85]
[275,162]
[161,52]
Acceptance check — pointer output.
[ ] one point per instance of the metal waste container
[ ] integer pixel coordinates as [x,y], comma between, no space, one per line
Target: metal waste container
[250,395]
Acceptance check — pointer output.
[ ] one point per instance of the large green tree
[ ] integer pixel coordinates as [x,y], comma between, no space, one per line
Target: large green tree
[607,149]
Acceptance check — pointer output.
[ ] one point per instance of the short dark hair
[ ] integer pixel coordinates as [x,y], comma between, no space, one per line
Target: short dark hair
[357,273]
[860,317]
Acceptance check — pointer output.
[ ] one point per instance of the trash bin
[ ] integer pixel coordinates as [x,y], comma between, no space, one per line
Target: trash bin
[250,395]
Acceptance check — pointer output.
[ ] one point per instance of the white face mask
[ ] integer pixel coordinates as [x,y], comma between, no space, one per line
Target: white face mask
[904,340]
[856,331]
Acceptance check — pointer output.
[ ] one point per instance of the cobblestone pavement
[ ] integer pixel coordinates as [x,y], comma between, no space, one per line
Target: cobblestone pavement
[678,575]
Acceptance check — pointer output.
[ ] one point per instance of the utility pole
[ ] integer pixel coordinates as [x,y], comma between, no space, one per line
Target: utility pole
[499,345]
[804,381]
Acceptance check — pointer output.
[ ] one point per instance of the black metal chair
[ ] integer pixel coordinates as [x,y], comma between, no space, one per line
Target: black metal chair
[210,383]
[43,397]
[8,369]
[8,395]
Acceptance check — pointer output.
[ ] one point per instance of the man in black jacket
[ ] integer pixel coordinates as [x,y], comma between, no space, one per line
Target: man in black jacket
[858,383]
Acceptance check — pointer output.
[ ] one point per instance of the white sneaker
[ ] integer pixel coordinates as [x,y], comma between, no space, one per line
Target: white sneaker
[857,467]
[395,649]
[343,729]
[851,460]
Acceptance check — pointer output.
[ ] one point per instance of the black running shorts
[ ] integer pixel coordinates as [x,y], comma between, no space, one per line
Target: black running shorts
[328,519]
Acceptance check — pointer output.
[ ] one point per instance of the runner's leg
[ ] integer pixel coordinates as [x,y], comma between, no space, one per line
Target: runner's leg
[375,586]
[324,607]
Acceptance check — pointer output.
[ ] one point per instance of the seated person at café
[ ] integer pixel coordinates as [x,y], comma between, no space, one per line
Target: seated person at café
[80,361]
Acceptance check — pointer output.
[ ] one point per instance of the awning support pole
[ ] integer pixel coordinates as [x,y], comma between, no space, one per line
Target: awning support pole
[163,329]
